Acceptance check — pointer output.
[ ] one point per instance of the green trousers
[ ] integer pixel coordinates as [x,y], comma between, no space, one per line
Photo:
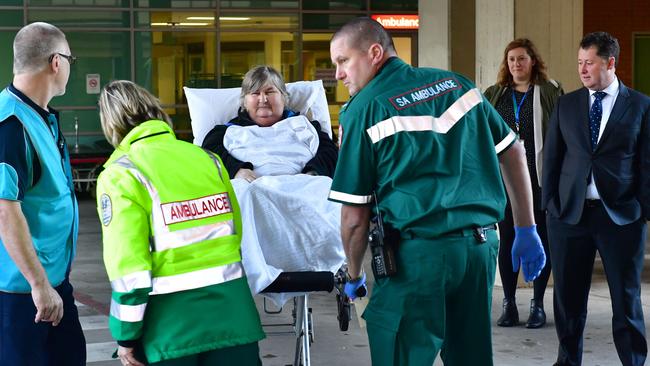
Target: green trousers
[440,300]
[244,355]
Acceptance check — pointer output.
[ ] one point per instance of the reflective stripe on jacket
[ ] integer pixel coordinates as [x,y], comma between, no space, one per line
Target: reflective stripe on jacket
[171,225]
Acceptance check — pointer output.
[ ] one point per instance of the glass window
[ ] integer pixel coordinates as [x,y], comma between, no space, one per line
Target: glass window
[11,18]
[273,4]
[167,61]
[105,3]
[326,21]
[317,65]
[175,3]
[82,130]
[338,5]
[641,57]
[241,51]
[394,5]
[174,19]
[6,58]
[106,54]
[249,21]
[81,19]
[99,54]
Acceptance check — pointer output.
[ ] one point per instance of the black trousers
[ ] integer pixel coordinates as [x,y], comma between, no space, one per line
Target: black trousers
[23,342]
[506,239]
[573,249]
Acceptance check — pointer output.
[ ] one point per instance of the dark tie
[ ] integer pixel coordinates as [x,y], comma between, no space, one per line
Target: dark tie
[595,115]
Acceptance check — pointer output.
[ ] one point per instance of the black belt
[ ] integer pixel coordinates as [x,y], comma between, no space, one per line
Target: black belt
[479,232]
[593,203]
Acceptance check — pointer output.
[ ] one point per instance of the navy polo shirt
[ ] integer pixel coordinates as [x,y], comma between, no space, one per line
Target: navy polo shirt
[17,152]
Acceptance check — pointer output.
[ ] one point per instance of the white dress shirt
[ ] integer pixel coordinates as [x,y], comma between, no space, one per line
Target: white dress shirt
[608,103]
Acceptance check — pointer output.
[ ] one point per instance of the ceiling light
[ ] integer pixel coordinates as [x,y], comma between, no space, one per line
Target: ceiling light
[200,18]
[234,18]
[182,24]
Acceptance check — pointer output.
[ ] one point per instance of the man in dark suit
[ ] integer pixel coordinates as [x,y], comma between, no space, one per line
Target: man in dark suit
[596,190]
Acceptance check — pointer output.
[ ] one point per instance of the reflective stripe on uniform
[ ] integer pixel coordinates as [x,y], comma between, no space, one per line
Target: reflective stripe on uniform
[176,239]
[164,238]
[132,281]
[127,313]
[351,198]
[505,142]
[197,279]
[441,124]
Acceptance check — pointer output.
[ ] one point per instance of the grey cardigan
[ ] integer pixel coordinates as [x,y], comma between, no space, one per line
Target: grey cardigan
[544,97]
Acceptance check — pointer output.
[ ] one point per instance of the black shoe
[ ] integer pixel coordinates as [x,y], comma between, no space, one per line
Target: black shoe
[510,315]
[537,317]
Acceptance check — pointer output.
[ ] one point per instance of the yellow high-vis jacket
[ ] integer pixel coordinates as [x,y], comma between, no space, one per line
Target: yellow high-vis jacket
[171,232]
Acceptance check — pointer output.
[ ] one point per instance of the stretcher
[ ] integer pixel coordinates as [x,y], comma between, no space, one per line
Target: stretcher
[211,106]
[302,318]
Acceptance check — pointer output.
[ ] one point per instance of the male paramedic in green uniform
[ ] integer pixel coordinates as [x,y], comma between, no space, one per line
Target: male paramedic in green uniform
[429,146]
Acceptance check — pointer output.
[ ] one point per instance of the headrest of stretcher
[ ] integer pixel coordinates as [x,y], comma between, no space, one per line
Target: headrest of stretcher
[210,107]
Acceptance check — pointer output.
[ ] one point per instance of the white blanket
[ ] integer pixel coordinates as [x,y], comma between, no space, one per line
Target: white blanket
[284,148]
[288,223]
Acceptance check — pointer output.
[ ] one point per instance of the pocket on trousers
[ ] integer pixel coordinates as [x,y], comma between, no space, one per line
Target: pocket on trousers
[382,327]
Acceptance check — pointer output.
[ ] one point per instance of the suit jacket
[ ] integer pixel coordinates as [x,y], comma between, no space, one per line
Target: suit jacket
[620,163]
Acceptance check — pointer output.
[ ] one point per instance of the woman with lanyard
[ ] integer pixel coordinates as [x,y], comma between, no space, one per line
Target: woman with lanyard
[524,96]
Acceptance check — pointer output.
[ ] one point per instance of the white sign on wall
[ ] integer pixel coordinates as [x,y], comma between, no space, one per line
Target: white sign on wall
[92,83]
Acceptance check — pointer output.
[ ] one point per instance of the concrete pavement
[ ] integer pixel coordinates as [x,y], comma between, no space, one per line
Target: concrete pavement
[512,346]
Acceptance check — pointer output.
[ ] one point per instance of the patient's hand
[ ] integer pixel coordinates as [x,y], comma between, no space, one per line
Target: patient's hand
[246,174]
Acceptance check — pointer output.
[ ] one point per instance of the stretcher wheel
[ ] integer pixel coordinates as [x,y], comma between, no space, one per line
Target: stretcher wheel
[343,305]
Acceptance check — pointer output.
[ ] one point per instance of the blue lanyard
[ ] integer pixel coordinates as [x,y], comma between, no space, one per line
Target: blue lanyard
[517,107]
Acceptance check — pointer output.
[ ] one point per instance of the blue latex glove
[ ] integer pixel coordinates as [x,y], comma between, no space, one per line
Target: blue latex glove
[354,289]
[527,249]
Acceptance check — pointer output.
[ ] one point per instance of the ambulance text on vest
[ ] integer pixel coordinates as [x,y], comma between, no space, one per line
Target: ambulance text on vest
[199,208]
[424,93]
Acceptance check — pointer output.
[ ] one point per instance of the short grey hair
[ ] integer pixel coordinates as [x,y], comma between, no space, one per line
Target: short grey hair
[124,105]
[259,76]
[33,46]
[362,32]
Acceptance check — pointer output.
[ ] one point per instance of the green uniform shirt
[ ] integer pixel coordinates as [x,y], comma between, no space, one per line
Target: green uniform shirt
[427,142]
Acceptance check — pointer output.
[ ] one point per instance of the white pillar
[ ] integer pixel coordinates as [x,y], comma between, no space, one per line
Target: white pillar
[433,34]
[494,30]
[555,26]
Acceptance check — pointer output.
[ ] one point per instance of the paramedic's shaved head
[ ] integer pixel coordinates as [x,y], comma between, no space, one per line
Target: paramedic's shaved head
[34,44]
[361,33]
[358,50]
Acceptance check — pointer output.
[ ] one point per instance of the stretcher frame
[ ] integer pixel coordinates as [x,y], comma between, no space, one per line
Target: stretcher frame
[303,325]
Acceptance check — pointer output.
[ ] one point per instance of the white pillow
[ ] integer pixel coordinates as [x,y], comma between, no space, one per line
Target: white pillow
[210,107]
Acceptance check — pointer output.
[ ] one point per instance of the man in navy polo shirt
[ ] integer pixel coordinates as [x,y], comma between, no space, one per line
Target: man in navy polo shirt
[39,322]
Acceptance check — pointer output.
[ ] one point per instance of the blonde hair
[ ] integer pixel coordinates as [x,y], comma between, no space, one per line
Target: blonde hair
[124,105]
[33,46]
[259,76]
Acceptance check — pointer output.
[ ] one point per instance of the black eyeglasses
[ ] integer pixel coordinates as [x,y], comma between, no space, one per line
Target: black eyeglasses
[71,59]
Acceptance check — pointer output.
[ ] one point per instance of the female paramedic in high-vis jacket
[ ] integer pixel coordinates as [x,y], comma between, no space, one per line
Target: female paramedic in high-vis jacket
[171,231]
